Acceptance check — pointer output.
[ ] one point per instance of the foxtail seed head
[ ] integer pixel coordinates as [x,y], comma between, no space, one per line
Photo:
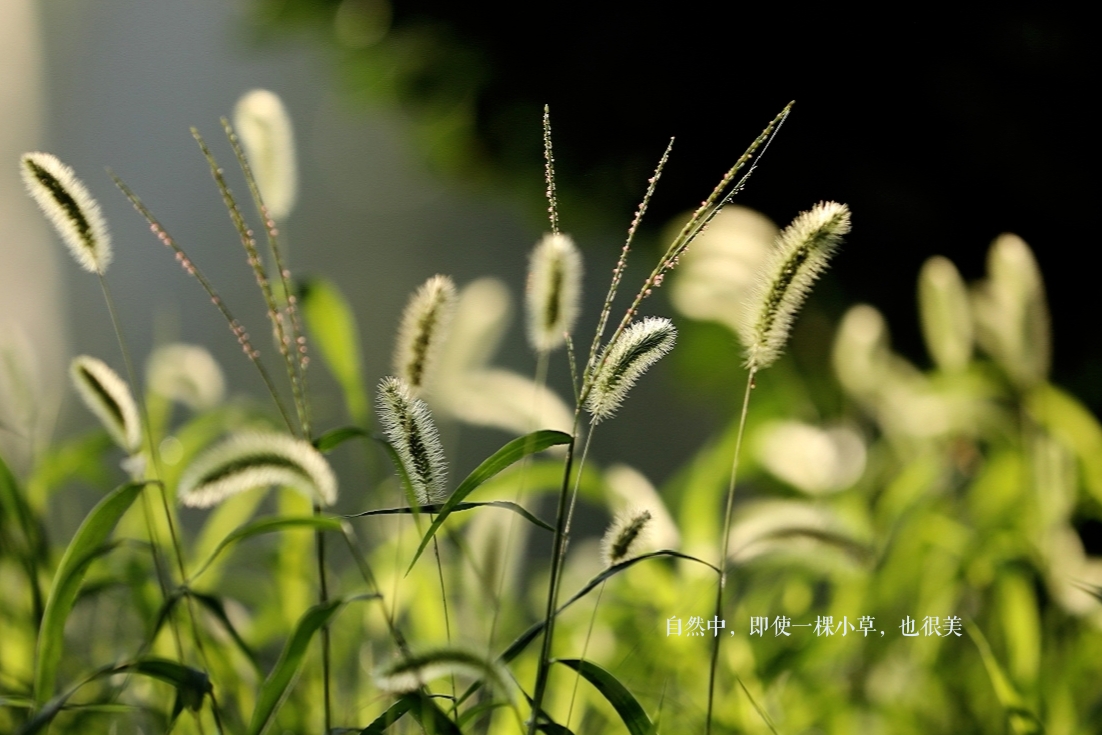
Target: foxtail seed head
[67,204]
[800,255]
[554,290]
[109,398]
[186,373]
[251,460]
[264,127]
[408,425]
[423,331]
[945,313]
[625,536]
[636,349]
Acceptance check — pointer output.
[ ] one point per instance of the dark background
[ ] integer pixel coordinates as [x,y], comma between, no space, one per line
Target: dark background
[940,131]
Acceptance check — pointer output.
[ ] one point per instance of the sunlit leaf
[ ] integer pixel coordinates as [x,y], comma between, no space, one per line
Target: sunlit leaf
[95,529]
[515,450]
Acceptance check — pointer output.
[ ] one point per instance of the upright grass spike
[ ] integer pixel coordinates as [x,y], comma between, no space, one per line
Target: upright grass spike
[553,291]
[109,398]
[65,201]
[946,315]
[250,460]
[800,256]
[407,423]
[268,137]
[423,331]
[625,360]
[549,172]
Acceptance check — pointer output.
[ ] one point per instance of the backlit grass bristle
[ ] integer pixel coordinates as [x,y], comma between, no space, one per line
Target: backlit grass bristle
[423,331]
[265,130]
[408,426]
[65,201]
[252,460]
[109,398]
[554,290]
[625,537]
[625,360]
[799,257]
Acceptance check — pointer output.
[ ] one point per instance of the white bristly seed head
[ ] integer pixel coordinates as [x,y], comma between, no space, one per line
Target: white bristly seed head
[423,331]
[67,204]
[625,537]
[636,349]
[799,257]
[254,459]
[945,313]
[186,373]
[264,127]
[109,398]
[408,425]
[554,290]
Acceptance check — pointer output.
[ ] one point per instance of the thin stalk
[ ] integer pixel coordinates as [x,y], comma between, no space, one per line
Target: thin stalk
[726,544]
[553,585]
[248,241]
[447,617]
[154,456]
[323,597]
[191,269]
[585,648]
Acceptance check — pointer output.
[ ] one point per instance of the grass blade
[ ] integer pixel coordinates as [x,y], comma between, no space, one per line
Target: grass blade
[332,324]
[515,450]
[278,684]
[623,701]
[333,438]
[392,715]
[268,525]
[93,531]
[458,507]
[1018,715]
[522,641]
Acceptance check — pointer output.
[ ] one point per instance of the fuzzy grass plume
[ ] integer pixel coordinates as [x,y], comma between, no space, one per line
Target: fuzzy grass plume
[423,331]
[250,460]
[109,398]
[65,201]
[799,257]
[554,290]
[408,425]
[625,537]
[625,360]
[264,127]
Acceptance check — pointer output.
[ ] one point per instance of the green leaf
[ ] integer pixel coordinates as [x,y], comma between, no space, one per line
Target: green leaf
[625,704]
[435,507]
[268,525]
[515,450]
[278,684]
[332,324]
[1021,718]
[91,535]
[191,687]
[392,715]
[432,719]
[333,438]
[522,641]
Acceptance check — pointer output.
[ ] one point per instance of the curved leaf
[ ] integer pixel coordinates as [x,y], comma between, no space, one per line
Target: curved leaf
[84,547]
[515,450]
[392,715]
[191,685]
[625,704]
[278,684]
[268,525]
[333,438]
[332,324]
[529,635]
[435,507]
